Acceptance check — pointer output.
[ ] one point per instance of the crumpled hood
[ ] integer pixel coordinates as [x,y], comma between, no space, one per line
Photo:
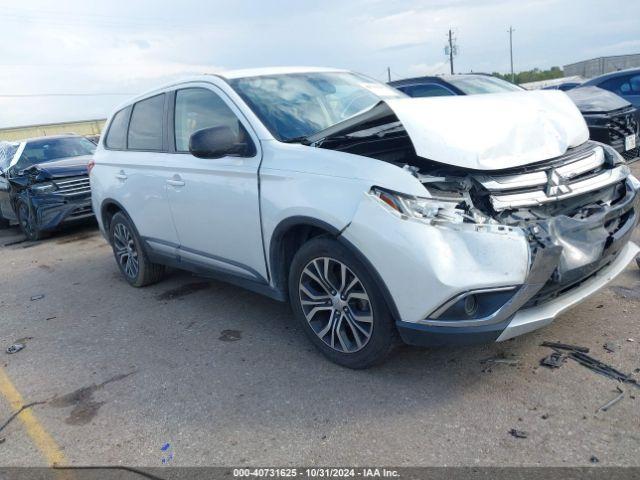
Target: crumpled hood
[64,167]
[492,131]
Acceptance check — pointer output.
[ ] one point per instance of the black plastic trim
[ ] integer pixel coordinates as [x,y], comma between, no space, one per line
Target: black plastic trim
[426,336]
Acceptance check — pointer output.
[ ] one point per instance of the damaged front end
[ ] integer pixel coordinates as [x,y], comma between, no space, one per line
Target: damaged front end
[44,197]
[576,211]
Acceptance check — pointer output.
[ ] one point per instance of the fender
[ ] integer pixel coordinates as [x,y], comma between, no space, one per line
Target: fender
[277,255]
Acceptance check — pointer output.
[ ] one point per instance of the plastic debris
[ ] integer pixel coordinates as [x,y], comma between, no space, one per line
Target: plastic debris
[37,297]
[230,335]
[630,340]
[612,402]
[565,346]
[610,347]
[593,364]
[517,433]
[15,348]
[594,459]
[555,360]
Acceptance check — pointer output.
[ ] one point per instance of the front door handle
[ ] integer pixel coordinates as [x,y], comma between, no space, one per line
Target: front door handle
[176,181]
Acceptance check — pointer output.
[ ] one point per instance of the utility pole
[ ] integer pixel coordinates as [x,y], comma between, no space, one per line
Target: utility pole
[389,74]
[513,77]
[451,50]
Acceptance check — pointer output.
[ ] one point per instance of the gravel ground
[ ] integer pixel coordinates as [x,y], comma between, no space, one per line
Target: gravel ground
[226,377]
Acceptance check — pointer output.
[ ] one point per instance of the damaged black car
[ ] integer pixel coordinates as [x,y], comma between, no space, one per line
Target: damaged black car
[44,183]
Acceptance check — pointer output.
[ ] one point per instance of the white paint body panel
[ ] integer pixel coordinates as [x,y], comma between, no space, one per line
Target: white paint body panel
[493,131]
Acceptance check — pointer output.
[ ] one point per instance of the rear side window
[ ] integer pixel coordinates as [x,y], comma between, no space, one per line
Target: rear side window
[117,136]
[145,128]
[198,108]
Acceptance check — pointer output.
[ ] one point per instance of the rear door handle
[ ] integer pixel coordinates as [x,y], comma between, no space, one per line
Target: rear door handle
[176,181]
[121,175]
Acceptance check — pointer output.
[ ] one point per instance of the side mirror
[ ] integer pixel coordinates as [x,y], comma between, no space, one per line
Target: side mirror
[217,142]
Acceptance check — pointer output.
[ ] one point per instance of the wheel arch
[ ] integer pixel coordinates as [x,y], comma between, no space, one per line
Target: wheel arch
[291,233]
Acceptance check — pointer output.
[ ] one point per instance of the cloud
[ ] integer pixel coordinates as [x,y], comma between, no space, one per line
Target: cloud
[126,46]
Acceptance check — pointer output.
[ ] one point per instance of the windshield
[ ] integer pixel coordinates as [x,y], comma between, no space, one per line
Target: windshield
[297,105]
[7,151]
[472,85]
[47,150]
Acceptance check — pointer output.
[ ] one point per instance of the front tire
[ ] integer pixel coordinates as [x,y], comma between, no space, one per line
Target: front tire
[28,223]
[339,305]
[129,254]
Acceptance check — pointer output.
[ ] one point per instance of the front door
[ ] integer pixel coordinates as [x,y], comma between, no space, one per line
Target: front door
[214,202]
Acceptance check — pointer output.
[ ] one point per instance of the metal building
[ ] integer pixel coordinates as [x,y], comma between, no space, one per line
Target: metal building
[601,65]
[86,127]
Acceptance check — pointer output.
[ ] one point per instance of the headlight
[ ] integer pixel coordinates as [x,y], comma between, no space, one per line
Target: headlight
[44,187]
[429,209]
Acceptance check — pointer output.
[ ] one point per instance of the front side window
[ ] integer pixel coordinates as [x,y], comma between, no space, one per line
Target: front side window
[7,151]
[302,104]
[117,136]
[48,150]
[428,90]
[199,108]
[145,128]
[472,85]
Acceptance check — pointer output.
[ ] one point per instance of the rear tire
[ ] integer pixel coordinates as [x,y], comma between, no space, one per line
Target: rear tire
[27,223]
[131,258]
[339,305]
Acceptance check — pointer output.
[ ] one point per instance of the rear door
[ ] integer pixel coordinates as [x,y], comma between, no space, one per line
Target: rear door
[137,162]
[214,202]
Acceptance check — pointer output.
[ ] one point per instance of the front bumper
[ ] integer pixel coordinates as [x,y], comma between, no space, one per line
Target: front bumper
[53,210]
[523,321]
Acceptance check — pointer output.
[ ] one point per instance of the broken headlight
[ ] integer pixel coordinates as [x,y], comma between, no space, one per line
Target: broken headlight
[422,208]
[47,187]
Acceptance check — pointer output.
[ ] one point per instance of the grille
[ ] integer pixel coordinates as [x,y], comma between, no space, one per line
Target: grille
[631,155]
[621,126]
[72,186]
[573,174]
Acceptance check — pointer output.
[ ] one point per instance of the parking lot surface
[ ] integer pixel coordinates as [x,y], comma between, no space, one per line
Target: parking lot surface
[226,377]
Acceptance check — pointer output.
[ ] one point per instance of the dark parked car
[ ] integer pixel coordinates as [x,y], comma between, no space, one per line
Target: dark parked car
[610,118]
[44,182]
[563,86]
[625,83]
[470,84]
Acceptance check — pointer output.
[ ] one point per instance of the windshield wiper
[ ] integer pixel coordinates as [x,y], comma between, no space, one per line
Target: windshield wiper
[301,139]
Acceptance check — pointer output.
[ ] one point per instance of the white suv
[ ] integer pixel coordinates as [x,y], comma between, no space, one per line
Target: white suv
[378,216]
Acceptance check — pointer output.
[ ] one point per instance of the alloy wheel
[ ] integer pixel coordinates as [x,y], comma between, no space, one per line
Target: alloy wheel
[125,250]
[336,304]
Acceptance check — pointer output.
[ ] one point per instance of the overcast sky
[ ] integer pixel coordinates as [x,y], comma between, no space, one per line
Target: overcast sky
[127,46]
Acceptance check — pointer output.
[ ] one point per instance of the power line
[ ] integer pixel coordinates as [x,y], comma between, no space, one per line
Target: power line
[28,95]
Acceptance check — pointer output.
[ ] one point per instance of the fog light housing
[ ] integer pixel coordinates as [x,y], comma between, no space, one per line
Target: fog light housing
[473,305]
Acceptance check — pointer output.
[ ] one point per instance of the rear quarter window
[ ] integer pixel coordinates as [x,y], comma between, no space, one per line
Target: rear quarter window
[117,135]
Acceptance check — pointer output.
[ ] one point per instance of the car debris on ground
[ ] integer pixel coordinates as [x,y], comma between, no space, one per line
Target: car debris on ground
[518,433]
[37,297]
[579,354]
[610,347]
[555,360]
[612,402]
[15,348]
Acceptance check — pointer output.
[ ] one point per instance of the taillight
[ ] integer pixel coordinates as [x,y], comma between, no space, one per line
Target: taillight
[90,166]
